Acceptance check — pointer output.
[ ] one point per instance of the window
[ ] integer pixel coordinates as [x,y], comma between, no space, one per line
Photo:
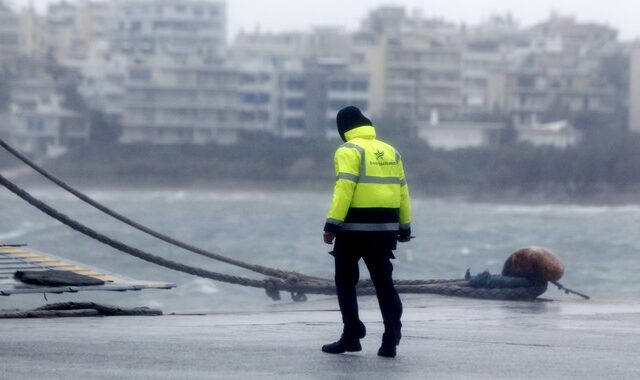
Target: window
[295,123]
[136,26]
[255,98]
[295,84]
[360,86]
[295,104]
[142,75]
[35,125]
[338,85]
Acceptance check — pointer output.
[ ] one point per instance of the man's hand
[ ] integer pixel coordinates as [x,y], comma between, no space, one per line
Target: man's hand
[328,237]
[404,236]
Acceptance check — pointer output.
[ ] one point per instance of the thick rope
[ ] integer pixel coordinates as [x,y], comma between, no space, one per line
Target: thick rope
[124,247]
[272,272]
[78,309]
[297,286]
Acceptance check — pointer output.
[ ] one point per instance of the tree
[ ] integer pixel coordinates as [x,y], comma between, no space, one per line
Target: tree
[103,129]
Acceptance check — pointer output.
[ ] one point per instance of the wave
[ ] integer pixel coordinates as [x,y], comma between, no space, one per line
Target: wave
[153,195]
[25,228]
[200,286]
[564,209]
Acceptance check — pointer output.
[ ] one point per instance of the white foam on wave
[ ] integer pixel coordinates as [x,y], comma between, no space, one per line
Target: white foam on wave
[201,286]
[564,209]
[465,251]
[169,196]
[23,229]
[175,196]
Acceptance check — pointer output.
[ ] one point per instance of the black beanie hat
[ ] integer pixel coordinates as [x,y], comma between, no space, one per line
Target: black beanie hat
[349,118]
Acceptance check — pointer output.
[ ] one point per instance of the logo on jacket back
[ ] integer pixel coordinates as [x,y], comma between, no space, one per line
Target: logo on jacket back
[380,159]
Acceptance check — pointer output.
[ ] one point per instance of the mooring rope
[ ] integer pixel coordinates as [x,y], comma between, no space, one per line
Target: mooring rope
[297,286]
[122,246]
[271,272]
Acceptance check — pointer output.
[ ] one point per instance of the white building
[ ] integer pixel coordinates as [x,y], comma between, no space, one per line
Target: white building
[169,27]
[559,134]
[9,34]
[39,123]
[167,101]
[459,135]
[415,64]
[489,50]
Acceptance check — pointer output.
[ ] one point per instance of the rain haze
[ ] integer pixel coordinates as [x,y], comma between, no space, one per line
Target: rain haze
[287,15]
[283,15]
[510,124]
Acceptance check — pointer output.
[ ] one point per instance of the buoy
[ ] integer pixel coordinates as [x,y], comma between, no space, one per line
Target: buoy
[536,263]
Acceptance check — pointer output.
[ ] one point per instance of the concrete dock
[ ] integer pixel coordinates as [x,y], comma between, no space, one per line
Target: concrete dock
[443,338]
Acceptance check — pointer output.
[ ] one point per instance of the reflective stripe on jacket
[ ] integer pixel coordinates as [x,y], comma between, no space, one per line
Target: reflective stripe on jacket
[371,192]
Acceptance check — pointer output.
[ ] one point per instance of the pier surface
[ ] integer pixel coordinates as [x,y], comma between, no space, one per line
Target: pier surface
[443,338]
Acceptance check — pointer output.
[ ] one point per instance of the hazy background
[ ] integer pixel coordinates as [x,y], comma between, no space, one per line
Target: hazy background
[286,15]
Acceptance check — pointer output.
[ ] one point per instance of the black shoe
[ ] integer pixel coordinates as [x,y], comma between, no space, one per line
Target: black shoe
[387,350]
[342,345]
[389,343]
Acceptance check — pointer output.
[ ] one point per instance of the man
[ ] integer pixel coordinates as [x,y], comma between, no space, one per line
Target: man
[369,213]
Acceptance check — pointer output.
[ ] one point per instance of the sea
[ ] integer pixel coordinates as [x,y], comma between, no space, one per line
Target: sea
[599,245]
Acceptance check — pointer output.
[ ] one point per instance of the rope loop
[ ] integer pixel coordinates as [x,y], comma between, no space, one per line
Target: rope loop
[272,288]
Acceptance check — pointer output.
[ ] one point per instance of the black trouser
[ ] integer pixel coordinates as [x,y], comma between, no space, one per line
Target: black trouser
[347,275]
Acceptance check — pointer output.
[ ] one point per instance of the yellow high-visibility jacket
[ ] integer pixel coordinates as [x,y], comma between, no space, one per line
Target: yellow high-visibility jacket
[371,193]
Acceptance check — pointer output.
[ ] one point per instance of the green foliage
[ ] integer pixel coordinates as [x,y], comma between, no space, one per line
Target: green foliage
[103,129]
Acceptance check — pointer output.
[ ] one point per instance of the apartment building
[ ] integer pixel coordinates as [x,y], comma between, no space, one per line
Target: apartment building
[62,41]
[169,27]
[9,34]
[489,50]
[170,101]
[415,63]
[297,82]
[38,121]
[560,74]
[258,91]
[536,93]
[312,92]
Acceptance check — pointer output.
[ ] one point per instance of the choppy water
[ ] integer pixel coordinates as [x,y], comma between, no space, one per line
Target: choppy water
[598,244]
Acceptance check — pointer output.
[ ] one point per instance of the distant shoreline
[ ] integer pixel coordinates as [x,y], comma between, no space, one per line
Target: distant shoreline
[595,173]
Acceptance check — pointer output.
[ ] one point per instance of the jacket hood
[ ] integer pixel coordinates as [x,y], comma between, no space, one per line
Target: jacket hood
[350,118]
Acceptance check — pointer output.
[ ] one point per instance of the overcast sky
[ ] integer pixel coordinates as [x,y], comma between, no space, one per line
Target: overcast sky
[281,15]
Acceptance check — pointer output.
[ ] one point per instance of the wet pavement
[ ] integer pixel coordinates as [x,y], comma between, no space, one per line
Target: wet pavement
[443,338]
